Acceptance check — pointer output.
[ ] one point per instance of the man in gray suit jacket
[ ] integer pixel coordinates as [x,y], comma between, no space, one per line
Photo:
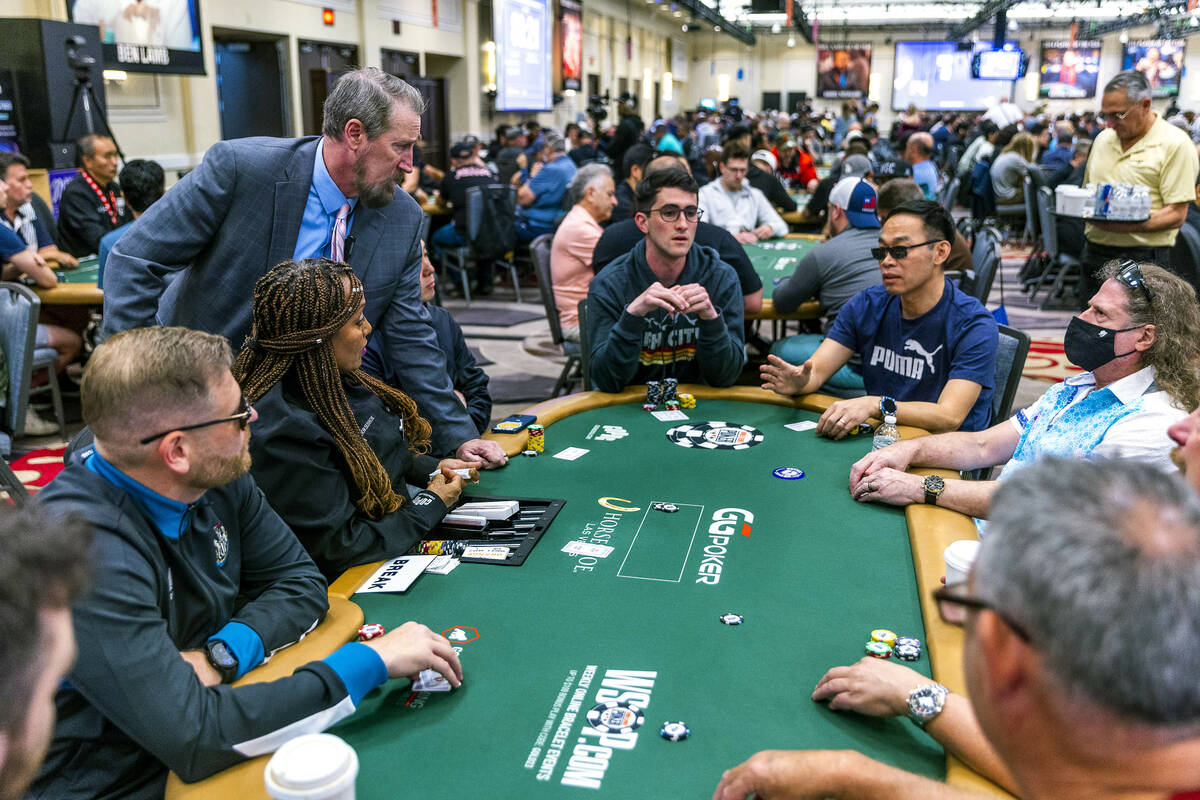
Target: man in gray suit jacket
[253,203]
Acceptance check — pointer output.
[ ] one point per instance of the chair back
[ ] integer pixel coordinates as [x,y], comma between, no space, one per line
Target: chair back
[585,347]
[1033,225]
[950,195]
[492,220]
[19,307]
[1185,256]
[1045,211]
[540,249]
[423,230]
[1011,350]
[985,258]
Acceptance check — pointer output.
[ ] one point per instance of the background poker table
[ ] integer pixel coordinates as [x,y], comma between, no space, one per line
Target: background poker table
[812,572]
[776,259]
[75,286]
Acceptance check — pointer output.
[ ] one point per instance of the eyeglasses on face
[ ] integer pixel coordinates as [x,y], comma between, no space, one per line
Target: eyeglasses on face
[671,213]
[242,417]
[898,252]
[1131,275]
[1114,116]
[953,604]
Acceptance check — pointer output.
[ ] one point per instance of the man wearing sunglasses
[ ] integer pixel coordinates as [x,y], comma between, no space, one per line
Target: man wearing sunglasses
[928,350]
[666,309]
[1138,147]
[1139,342]
[196,581]
[1079,659]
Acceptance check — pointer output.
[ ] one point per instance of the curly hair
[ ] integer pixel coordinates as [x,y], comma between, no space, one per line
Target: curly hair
[1175,315]
[298,307]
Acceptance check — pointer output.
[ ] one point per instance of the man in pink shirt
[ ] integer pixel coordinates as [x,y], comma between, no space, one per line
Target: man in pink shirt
[593,196]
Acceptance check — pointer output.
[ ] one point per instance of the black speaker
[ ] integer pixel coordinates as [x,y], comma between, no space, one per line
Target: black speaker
[35,50]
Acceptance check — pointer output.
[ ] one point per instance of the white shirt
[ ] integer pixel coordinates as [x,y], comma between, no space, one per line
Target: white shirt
[743,210]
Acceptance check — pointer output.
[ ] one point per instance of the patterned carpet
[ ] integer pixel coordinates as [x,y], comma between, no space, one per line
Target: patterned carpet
[37,468]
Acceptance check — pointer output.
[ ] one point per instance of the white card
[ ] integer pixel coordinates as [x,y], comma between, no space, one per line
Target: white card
[396,575]
[431,681]
[806,425]
[668,416]
[586,549]
[493,552]
[442,565]
[571,453]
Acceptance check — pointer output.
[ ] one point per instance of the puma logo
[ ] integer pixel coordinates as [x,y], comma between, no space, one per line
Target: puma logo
[915,346]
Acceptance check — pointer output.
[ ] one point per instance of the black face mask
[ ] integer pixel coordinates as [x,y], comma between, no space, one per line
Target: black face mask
[1090,346]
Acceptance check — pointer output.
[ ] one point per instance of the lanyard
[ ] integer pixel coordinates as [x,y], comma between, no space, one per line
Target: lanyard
[107,199]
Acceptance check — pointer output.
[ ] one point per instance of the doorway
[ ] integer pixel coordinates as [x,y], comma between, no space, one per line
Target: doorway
[321,64]
[252,97]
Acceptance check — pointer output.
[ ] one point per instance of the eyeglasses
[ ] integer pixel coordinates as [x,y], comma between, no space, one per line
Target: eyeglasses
[242,418]
[898,252]
[1131,275]
[953,605]
[671,213]
[1113,116]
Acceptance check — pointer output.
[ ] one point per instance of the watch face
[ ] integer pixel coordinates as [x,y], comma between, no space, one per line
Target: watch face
[934,483]
[221,657]
[887,405]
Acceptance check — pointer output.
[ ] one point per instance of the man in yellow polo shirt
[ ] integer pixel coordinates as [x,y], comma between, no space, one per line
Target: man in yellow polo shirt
[1138,147]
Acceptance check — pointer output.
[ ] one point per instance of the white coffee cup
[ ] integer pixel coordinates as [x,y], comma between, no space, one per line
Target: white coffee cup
[316,766]
[959,557]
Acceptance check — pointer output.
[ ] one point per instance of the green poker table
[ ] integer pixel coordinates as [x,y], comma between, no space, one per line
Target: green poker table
[75,286]
[542,644]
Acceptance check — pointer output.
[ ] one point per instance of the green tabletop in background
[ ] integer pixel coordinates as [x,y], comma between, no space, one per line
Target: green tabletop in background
[812,572]
[87,271]
[777,258]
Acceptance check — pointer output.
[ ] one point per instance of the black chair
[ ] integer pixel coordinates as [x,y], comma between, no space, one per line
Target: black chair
[1185,256]
[985,263]
[1059,266]
[19,307]
[950,193]
[11,486]
[539,250]
[1012,348]
[585,347]
[491,234]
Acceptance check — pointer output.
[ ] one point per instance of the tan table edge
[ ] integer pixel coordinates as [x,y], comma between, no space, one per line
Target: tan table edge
[71,294]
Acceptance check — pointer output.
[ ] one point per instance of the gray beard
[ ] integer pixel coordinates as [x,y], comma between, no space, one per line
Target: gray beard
[373,195]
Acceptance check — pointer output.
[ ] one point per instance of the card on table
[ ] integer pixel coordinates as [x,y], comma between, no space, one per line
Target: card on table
[571,453]
[806,425]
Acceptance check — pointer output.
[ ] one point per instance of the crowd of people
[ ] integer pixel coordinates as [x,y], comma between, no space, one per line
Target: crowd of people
[178,551]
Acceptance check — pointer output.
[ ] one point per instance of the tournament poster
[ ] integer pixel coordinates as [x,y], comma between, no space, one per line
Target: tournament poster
[1069,71]
[1160,60]
[843,71]
[571,27]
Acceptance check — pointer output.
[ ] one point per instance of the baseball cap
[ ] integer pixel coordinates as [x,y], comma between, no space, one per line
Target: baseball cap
[857,198]
[766,156]
[514,132]
[785,141]
[856,166]
[461,150]
[896,168]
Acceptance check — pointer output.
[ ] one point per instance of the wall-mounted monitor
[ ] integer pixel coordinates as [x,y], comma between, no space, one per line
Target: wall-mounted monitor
[145,35]
[1069,71]
[1004,64]
[936,76]
[523,52]
[1160,60]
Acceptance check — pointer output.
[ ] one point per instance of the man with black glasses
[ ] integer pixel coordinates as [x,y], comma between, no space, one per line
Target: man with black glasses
[666,309]
[1078,662]
[928,350]
[196,581]
[1139,342]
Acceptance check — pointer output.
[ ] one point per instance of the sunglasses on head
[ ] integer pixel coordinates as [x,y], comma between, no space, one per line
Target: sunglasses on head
[1131,275]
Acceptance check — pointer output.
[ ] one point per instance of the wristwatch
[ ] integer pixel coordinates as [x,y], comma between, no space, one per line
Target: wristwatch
[222,659]
[934,486]
[925,702]
[887,405]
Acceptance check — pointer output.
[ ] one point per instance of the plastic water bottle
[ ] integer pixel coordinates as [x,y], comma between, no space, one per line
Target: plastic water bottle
[886,433]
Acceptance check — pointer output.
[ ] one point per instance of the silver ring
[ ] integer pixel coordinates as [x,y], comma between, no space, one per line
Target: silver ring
[871,487]
[840,421]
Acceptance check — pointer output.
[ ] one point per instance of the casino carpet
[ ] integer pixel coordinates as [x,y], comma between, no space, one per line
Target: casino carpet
[37,468]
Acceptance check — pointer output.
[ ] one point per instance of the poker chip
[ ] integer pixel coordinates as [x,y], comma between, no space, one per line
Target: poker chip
[907,653]
[615,717]
[530,453]
[670,508]
[732,619]
[908,641]
[788,473]
[885,636]
[674,731]
[649,406]
[879,650]
[372,630]
[716,435]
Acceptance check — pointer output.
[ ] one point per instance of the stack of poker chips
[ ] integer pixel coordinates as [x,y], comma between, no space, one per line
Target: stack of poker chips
[654,393]
[537,439]
[687,400]
[885,644]
[670,394]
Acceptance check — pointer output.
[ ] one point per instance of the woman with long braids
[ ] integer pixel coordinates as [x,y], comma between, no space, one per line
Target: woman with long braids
[333,446]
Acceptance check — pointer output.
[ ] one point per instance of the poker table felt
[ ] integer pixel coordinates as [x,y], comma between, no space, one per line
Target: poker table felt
[811,571]
[75,286]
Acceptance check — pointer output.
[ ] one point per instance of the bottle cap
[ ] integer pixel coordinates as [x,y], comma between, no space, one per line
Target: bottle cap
[890,419]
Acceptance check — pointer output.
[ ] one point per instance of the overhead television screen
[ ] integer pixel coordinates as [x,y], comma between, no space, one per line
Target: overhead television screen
[145,35]
[1069,71]
[999,65]
[843,71]
[523,52]
[937,76]
[1160,60]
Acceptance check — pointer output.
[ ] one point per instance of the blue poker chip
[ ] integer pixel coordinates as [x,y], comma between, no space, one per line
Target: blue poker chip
[788,473]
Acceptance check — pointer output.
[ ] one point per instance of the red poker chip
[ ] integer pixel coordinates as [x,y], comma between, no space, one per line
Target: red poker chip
[372,630]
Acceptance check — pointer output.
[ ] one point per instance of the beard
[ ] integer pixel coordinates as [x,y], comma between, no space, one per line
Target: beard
[214,472]
[374,195]
[1177,459]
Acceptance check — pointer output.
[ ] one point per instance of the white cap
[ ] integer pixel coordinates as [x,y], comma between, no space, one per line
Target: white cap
[766,156]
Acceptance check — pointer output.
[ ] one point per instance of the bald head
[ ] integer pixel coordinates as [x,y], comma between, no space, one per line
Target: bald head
[919,148]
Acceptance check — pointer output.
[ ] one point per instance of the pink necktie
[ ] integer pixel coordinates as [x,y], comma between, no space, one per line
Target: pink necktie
[338,243]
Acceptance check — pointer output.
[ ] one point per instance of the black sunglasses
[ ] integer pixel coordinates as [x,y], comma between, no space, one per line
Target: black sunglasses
[898,252]
[242,418]
[953,605]
[1131,275]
